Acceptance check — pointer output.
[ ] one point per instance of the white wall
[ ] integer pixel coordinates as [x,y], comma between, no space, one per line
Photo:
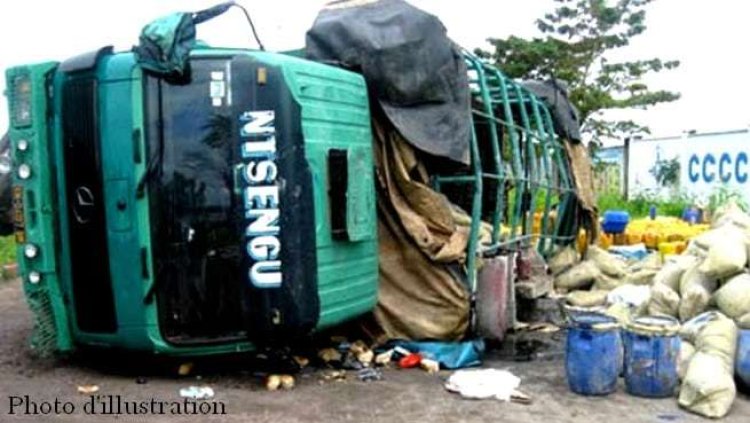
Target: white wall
[643,157]
[707,162]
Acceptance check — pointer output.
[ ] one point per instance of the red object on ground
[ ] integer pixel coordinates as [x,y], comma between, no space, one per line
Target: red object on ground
[410,361]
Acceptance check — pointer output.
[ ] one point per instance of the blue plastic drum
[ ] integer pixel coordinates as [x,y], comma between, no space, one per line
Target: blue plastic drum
[593,354]
[652,348]
[743,358]
[615,221]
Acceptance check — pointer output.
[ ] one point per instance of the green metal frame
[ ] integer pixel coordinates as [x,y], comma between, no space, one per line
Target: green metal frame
[538,162]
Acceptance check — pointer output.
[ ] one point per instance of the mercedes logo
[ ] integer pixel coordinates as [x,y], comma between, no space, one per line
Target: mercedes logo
[83,205]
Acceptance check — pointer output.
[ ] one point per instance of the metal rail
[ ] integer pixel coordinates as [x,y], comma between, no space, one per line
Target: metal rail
[525,155]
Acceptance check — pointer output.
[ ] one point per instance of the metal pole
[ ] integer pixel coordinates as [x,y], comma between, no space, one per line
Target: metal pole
[626,167]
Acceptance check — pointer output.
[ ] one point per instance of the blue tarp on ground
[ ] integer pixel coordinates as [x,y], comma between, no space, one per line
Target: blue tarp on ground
[450,355]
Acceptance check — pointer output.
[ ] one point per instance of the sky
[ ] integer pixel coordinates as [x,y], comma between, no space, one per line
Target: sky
[708,36]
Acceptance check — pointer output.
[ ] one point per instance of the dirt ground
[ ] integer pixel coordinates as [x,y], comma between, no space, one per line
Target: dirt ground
[402,395]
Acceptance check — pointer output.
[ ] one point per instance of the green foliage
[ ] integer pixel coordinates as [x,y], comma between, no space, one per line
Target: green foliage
[7,250]
[539,200]
[640,205]
[724,195]
[673,205]
[576,37]
[666,172]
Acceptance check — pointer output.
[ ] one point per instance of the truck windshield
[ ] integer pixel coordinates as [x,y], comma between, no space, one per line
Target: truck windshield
[196,218]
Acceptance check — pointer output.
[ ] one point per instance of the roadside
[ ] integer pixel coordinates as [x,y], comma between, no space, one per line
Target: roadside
[402,395]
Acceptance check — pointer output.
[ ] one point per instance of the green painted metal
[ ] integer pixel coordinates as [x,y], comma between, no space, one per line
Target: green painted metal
[335,115]
[536,159]
[547,139]
[51,324]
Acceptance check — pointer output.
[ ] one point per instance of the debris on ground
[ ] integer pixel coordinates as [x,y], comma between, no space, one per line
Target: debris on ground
[273,382]
[450,355]
[197,392]
[369,374]
[88,389]
[409,361]
[484,384]
[287,382]
[519,397]
[384,358]
[185,369]
[541,327]
[334,375]
[302,362]
[366,357]
[430,366]
[351,363]
[328,355]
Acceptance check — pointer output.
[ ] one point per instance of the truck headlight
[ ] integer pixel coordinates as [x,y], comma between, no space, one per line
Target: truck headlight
[35,277]
[22,100]
[22,145]
[30,251]
[24,171]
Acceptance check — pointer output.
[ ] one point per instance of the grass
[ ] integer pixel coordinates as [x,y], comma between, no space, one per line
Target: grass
[640,205]
[673,205]
[7,250]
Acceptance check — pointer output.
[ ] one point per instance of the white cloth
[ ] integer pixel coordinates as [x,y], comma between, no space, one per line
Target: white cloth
[483,384]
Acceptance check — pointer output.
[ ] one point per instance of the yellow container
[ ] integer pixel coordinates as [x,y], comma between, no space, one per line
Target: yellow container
[662,229]
[581,242]
[633,238]
[650,238]
[667,248]
[605,240]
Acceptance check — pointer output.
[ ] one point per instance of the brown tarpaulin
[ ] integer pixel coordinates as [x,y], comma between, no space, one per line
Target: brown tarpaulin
[421,252]
[583,178]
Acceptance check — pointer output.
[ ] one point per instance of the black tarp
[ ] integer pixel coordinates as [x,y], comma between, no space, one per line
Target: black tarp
[415,71]
[565,117]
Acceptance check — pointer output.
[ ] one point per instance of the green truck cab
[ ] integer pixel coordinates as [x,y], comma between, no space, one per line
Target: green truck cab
[204,215]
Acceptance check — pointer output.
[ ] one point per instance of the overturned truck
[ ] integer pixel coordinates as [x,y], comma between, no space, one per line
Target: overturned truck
[186,199]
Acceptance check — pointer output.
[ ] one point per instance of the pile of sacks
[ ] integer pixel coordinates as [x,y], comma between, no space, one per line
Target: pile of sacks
[589,283]
[706,364]
[711,274]
[707,288]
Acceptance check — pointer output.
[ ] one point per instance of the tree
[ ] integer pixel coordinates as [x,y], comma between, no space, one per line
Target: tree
[666,172]
[576,38]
